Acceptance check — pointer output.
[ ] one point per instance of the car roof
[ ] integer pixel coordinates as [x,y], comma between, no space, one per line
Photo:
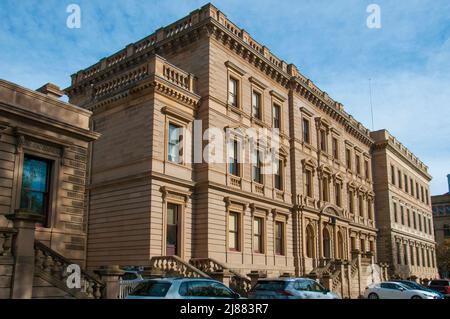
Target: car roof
[283,279]
[172,279]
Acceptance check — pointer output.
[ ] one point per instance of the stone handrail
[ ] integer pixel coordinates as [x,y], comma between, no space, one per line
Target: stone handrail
[6,240]
[56,265]
[175,266]
[238,282]
[353,266]
[323,268]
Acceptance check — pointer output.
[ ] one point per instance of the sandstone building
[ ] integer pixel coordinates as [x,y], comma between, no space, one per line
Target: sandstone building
[441,215]
[404,217]
[43,160]
[315,216]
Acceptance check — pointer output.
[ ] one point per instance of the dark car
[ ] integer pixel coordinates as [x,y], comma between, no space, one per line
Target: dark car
[440,285]
[414,285]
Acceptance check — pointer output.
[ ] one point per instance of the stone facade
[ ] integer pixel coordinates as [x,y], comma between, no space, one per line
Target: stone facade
[37,124]
[316,218]
[441,215]
[403,205]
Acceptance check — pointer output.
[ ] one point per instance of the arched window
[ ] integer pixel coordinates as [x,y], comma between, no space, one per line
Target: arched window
[340,243]
[310,242]
[326,243]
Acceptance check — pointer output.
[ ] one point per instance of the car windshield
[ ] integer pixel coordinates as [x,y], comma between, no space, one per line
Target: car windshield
[272,285]
[151,289]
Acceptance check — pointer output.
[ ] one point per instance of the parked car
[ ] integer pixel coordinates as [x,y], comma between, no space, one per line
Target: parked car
[182,288]
[290,288]
[129,281]
[396,290]
[414,285]
[442,286]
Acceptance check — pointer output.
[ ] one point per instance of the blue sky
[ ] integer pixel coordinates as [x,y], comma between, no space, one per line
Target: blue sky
[408,59]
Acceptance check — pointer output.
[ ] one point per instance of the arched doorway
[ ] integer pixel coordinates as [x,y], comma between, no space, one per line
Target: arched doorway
[340,246]
[326,243]
[310,242]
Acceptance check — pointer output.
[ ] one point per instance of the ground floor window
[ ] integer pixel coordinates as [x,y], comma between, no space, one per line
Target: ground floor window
[34,196]
[233,231]
[172,240]
[279,238]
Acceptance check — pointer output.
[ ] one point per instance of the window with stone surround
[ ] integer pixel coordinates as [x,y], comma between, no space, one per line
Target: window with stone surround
[348,158]
[323,140]
[325,189]
[411,254]
[405,254]
[35,189]
[233,91]
[276,116]
[335,146]
[279,175]
[399,256]
[350,201]
[395,213]
[366,169]
[400,179]
[358,164]
[256,167]
[258,235]
[234,166]
[306,131]
[337,194]
[256,105]
[392,175]
[308,183]
[234,231]
[175,140]
[406,183]
[279,238]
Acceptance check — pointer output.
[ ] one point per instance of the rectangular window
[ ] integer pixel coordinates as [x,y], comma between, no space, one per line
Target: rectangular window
[34,196]
[335,148]
[306,133]
[172,246]
[421,194]
[276,114]
[429,227]
[406,183]
[426,197]
[256,105]
[420,221]
[395,213]
[411,255]
[411,186]
[256,167]
[423,258]
[417,190]
[348,158]
[414,220]
[233,231]
[424,224]
[392,175]
[400,179]
[308,184]
[323,140]
[279,175]
[279,238]
[417,256]
[402,217]
[405,254]
[361,205]
[366,170]
[233,158]
[337,191]
[233,92]
[408,217]
[399,256]
[258,241]
[325,190]
[175,143]
[358,164]
[350,201]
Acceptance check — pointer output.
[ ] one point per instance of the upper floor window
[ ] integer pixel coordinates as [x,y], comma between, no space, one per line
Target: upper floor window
[400,179]
[306,133]
[366,169]
[233,158]
[361,205]
[414,220]
[358,164]
[34,196]
[392,175]
[402,216]
[348,158]
[419,217]
[278,176]
[421,194]
[337,193]
[256,167]
[426,197]
[350,201]
[395,213]
[323,140]
[406,183]
[175,143]
[233,91]
[256,105]
[325,189]
[276,114]
[335,148]
[417,190]
[411,184]
[308,183]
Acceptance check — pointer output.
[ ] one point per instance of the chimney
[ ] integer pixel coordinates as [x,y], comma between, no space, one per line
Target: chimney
[51,90]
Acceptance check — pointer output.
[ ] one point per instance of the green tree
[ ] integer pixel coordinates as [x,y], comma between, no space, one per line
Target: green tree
[443,257]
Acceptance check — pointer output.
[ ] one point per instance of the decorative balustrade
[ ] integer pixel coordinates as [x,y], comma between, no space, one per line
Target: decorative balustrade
[177,76]
[116,58]
[235,181]
[259,189]
[6,241]
[55,265]
[178,27]
[121,81]
[238,282]
[173,266]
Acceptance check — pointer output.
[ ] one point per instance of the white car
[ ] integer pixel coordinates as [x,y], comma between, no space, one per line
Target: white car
[395,290]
